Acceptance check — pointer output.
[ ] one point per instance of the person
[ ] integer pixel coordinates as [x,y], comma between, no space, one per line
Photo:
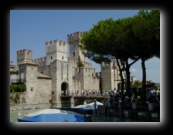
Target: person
[126,100]
[106,104]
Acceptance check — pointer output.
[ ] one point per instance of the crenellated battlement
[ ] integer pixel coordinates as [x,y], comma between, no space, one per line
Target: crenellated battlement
[95,75]
[87,64]
[111,65]
[56,46]
[105,65]
[57,42]
[74,37]
[39,59]
[24,51]
[24,56]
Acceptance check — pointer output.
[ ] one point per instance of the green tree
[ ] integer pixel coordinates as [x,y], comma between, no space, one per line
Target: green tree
[79,63]
[124,46]
[111,39]
[126,39]
[146,29]
[137,83]
[17,87]
[13,88]
[22,87]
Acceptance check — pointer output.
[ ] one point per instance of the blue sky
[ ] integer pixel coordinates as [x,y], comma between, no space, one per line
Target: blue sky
[30,29]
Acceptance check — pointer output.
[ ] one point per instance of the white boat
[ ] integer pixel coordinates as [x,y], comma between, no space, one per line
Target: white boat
[55,115]
[89,106]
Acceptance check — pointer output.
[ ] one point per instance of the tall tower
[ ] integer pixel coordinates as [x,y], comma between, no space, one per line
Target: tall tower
[74,41]
[24,56]
[110,76]
[56,50]
[28,75]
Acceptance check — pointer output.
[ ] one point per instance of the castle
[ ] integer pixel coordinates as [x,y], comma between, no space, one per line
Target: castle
[55,74]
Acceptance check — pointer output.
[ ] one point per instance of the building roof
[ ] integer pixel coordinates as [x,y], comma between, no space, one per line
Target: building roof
[28,63]
[12,66]
[13,69]
[40,75]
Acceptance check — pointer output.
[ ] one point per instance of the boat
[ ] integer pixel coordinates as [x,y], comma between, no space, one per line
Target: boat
[55,118]
[56,115]
[80,113]
[88,108]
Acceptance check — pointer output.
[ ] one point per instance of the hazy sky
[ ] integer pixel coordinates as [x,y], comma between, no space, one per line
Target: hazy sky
[30,29]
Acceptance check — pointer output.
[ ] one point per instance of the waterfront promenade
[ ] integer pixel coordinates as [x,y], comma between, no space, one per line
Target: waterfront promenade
[117,111]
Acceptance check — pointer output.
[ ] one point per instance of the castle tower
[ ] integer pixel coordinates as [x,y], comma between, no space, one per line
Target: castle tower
[27,70]
[110,75]
[74,41]
[56,50]
[24,56]
[28,75]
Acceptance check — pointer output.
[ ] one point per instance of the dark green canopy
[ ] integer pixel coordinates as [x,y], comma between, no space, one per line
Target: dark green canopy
[153,85]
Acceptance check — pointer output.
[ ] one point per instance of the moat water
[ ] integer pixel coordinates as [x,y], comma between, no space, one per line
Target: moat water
[14,115]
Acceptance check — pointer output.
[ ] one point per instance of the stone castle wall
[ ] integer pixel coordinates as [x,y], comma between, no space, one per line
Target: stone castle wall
[60,73]
[110,75]
[56,50]
[62,70]
[39,97]
[44,90]
[24,56]
[41,64]
[74,41]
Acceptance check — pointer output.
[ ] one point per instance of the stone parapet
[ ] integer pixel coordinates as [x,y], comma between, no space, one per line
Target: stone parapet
[74,37]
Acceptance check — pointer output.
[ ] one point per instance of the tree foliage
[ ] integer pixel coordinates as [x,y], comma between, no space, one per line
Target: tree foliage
[17,88]
[125,39]
[97,40]
[146,31]
[108,39]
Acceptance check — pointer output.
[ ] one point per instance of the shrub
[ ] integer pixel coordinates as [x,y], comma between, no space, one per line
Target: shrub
[13,87]
[17,88]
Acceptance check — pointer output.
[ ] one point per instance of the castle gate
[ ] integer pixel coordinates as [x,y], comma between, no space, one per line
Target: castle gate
[64,88]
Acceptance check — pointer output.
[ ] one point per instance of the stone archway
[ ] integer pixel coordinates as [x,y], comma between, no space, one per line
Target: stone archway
[64,88]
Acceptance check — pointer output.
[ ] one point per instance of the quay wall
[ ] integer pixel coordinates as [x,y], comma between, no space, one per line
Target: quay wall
[29,106]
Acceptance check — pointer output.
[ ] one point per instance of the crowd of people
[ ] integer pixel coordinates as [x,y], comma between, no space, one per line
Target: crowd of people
[113,97]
